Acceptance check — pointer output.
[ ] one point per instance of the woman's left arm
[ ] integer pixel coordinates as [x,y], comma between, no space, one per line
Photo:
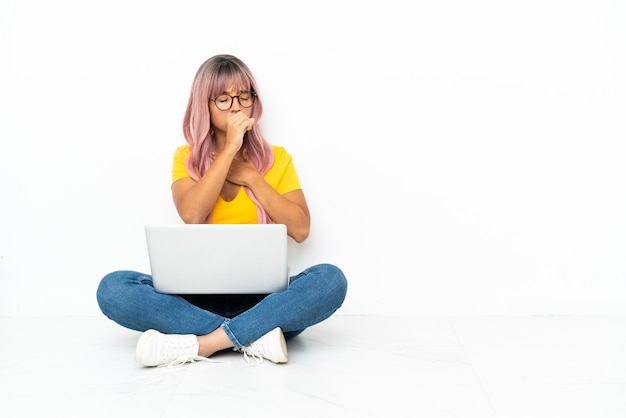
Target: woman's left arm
[290,209]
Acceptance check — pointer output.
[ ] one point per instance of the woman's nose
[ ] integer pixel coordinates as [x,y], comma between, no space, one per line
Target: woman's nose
[236,105]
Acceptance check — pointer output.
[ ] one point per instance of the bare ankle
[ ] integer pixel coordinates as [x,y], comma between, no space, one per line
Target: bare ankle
[213,342]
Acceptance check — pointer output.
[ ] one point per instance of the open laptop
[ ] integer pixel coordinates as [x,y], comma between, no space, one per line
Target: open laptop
[218,258]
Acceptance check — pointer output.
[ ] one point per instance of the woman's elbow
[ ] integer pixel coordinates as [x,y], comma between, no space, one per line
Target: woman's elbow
[190,217]
[299,234]
[300,237]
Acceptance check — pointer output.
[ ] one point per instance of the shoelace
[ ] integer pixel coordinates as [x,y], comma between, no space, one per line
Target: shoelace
[186,359]
[248,352]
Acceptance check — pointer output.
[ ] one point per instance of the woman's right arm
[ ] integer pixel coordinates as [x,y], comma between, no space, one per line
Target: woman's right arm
[195,200]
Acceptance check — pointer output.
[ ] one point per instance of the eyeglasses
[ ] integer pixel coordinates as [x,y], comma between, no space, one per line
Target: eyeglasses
[225,101]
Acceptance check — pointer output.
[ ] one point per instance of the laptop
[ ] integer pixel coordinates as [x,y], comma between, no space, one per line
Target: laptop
[218,258]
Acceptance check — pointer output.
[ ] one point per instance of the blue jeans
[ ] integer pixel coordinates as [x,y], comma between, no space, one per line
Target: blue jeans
[128,298]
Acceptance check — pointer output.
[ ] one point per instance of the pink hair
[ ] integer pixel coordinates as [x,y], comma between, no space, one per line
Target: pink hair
[213,77]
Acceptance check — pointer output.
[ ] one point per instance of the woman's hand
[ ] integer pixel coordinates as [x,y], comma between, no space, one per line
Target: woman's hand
[242,171]
[236,126]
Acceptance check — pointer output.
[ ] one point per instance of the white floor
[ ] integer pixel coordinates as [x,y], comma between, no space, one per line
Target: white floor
[348,366]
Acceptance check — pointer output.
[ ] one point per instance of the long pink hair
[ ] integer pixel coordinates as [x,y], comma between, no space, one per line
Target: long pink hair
[213,77]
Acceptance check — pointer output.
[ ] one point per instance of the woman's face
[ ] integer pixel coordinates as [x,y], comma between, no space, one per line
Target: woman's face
[220,112]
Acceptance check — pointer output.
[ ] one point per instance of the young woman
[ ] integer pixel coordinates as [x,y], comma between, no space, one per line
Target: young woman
[226,173]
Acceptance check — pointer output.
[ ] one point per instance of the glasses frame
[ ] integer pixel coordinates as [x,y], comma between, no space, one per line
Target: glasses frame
[232,100]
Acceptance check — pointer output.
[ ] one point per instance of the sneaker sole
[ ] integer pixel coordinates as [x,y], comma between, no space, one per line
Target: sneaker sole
[141,344]
[283,345]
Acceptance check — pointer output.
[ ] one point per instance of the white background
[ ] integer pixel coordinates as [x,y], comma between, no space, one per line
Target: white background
[459,157]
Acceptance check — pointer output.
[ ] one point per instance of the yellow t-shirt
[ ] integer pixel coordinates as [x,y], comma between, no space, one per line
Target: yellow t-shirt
[281,176]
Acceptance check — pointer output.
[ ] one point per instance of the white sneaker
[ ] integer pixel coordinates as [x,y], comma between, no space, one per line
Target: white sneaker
[157,349]
[271,346]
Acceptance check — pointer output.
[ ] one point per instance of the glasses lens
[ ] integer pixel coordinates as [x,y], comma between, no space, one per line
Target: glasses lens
[223,102]
[246,99]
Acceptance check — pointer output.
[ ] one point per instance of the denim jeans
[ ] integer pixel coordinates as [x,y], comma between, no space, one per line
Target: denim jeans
[128,298]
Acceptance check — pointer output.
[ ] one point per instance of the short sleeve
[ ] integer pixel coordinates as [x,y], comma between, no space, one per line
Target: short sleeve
[179,169]
[283,176]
